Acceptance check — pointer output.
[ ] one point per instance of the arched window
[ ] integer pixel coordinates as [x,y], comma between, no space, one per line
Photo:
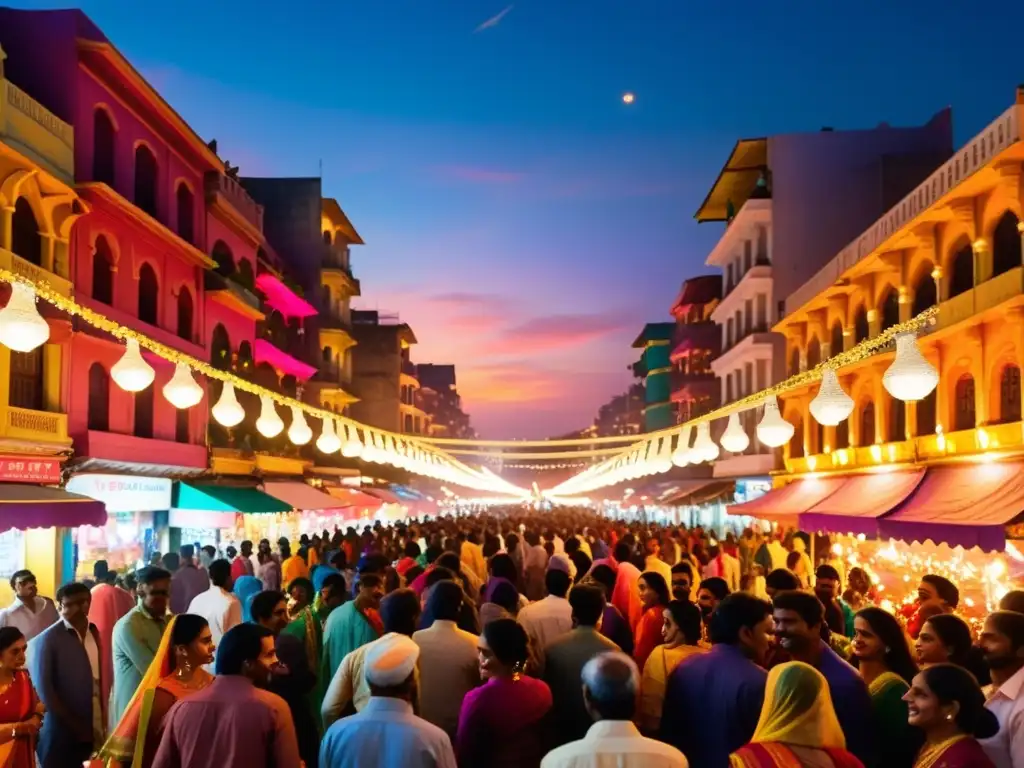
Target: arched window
[961,270]
[813,353]
[103,134]
[925,295]
[185,314]
[245,277]
[181,426]
[186,212]
[867,424]
[796,443]
[794,362]
[220,349]
[860,325]
[897,420]
[99,398]
[244,357]
[224,258]
[890,309]
[408,424]
[836,343]
[843,434]
[145,180]
[1006,245]
[327,357]
[149,295]
[26,379]
[1009,394]
[25,238]
[963,415]
[144,412]
[102,272]
[926,413]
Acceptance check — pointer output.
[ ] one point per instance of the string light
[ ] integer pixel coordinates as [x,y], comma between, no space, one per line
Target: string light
[228,411]
[132,373]
[735,439]
[910,377]
[328,442]
[299,432]
[773,430]
[270,423]
[182,391]
[22,328]
[831,405]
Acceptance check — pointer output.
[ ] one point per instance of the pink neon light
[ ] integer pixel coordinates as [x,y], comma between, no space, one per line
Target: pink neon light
[282,298]
[282,361]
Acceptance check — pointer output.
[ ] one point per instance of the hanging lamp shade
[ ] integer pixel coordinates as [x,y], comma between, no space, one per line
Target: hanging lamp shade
[351,448]
[132,373]
[228,412]
[773,430]
[910,377]
[299,432]
[831,405]
[663,459]
[735,438]
[681,455]
[328,442]
[22,328]
[270,423]
[182,391]
[704,445]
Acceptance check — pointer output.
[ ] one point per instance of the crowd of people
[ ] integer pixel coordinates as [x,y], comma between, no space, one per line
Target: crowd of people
[510,637]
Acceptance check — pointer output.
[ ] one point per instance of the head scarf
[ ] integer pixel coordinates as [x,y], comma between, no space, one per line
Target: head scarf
[247,587]
[798,709]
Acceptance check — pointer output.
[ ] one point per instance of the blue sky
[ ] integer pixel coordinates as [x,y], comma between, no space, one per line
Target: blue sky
[516,213]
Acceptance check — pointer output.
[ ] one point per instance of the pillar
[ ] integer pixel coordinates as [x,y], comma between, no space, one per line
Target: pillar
[874,323]
[6,226]
[937,277]
[905,307]
[51,377]
[982,260]
[49,252]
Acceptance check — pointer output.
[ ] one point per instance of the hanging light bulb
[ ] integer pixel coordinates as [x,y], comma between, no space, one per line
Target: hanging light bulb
[831,405]
[22,328]
[328,442]
[773,430]
[228,411]
[663,460]
[910,377]
[299,432]
[681,455]
[182,391]
[352,447]
[269,424]
[371,452]
[735,438]
[132,373]
[704,445]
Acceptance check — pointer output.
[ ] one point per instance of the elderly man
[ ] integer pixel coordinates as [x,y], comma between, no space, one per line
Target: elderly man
[387,732]
[611,685]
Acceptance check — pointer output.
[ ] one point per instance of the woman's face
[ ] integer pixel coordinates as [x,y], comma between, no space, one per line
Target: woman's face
[200,651]
[648,597]
[670,630]
[924,710]
[490,666]
[13,657]
[930,649]
[867,645]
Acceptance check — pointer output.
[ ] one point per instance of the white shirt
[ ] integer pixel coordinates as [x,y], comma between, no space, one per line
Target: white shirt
[221,609]
[546,620]
[657,565]
[31,623]
[449,669]
[1006,748]
[614,744]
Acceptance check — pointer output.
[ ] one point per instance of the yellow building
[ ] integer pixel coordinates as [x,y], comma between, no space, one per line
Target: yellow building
[338,286]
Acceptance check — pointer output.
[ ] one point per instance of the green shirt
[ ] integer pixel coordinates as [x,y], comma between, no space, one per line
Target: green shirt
[136,638]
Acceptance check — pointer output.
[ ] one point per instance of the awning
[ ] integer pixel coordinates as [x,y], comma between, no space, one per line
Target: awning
[384,495]
[302,496]
[226,498]
[39,506]
[783,505]
[862,499]
[350,497]
[966,505]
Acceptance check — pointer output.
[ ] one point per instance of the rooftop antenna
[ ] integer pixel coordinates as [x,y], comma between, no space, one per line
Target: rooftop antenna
[321,165]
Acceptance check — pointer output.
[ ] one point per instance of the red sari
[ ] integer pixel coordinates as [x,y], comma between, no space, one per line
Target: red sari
[17,705]
[647,635]
[960,752]
[777,755]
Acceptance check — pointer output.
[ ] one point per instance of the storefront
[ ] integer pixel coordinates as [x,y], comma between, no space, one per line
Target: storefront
[214,514]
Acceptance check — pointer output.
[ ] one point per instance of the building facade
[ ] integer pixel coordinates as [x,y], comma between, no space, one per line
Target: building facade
[441,401]
[655,341]
[697,342]
[383,375]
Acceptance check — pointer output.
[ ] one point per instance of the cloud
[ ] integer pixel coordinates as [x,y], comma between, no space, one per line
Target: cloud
[476,175]
[550,332]
[467,299]
[494,20]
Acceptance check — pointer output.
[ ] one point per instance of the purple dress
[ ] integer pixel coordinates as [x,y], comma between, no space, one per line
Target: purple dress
[502,724]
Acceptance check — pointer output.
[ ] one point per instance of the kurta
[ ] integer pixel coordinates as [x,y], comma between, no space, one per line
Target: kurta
[109,603]
[502,724]
[386,733]
[660,664]
[187,582]
[564,660]
[136,639]
[615,744]
[626,596]
[346,629]
[648,634]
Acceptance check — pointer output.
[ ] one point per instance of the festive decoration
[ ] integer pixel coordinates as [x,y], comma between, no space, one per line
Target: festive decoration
[269,424]
[831,405]
[182,391]
[228,411]
[681,456]
[704,446]
[22,328]
[773,430]
[735,439]
[910,377]
[328,442]
[132,373]
[663,458]
[352,447]
[299,432]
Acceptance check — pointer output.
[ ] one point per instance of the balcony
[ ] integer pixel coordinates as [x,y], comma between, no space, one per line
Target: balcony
[335,268]
[19,266]
[32,130]
[760,268]
[226,291]
[24,428]
[283,297]
[111,450]
[266,351]
[230,196]
[982,299]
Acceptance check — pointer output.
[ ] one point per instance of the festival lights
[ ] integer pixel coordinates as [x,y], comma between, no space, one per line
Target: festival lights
[228,412]
[773,430]
[328,442]
[831,405]
[22,328]
[735,439]
[182,391]
[132,373]
[270,423]
[910,377]
[299,432]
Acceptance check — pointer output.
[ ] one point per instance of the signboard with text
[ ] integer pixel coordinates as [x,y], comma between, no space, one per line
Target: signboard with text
[124,493]
[29,469]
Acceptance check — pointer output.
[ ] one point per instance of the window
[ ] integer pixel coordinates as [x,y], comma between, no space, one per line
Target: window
[897,420]
[26,379]
[836,344]
[813,353]
[1005,245]
[181,428]
[327,237]
[25,238]
[861,330]
[819,438]
[794,362]
[1009,394]
[961,270]
[224,258]
[408,423]
[145,180]
[185,314]
[867,424]
[220,349]
[103,134]
[149,292]
[926,411]
[245,277]
[924,293]
[890,309]
[963,415]
[843,434]
[99,398]
[144,412]
[186,213]
[102,272]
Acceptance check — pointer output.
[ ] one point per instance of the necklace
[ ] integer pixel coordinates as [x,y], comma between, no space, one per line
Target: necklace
[930,755]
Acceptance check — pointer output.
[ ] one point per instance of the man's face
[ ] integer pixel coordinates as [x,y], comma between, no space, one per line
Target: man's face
[825,589]
[75,608]
[25,587]
[331,598]
[155,596]
[371,596]
[261,670]
[653,547]
[928,595]
[246,548]
[758,640]
[792,631]
[278,618]
[681,586]
[998,650]
[707,603]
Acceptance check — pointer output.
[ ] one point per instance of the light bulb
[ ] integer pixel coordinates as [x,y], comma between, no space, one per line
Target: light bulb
[773,430]
[352,447]
[228,411]
[328,442]
[663,460]
[735,438]
[910,377]
[182,391]
[269,424]
[681,455]
[704,446]
[831,405]
[22,328]
[132,373]
[299,432]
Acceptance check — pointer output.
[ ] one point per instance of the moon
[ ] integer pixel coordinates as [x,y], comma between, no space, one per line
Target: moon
[628,97]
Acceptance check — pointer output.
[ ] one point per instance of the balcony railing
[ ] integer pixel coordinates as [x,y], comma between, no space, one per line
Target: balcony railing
[730,285]
[213,281]
[35,426]
[21,117]
[757,328]
[235,194]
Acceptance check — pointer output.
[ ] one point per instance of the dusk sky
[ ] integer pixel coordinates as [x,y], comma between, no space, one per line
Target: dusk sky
[516,213]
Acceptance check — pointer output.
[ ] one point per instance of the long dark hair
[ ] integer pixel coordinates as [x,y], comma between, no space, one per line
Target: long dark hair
[502,566]
[508,641]
[950,683]
[187,628]
[8,637]
[898,658]
[954,633]
[656,582]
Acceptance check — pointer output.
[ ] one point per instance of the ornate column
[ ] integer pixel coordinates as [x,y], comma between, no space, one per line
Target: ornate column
[905,307]
[982,260]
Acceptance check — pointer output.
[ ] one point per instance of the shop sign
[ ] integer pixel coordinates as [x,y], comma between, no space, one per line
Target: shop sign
[124,493]
[22,469]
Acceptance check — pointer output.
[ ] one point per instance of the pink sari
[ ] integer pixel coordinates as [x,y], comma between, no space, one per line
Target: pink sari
[17,706]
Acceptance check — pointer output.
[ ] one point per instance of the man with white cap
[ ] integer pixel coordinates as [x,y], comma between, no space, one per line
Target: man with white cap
[386,733]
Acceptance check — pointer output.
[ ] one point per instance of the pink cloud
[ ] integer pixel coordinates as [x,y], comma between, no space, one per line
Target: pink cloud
[477,175]
[558,331]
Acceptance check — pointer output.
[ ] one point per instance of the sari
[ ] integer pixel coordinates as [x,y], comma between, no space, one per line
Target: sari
[889,721]
[960,751]
[246,588]
[797,720]
[19,703]
[308,627]
[134,739]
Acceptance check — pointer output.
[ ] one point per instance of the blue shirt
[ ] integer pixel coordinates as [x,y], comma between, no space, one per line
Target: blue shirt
[851,700]
[712,705]
[386,733]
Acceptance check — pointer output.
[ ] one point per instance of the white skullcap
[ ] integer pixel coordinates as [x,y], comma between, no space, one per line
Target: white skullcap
[390,660]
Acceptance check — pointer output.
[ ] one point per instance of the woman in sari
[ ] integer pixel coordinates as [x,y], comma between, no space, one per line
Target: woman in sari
[881,653]
[946,703]
[680,630]
[798,725]
[175,673]
[654,597]
[21,712]
[246,588]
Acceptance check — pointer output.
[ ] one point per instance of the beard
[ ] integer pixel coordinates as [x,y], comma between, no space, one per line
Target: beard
[1002,661]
